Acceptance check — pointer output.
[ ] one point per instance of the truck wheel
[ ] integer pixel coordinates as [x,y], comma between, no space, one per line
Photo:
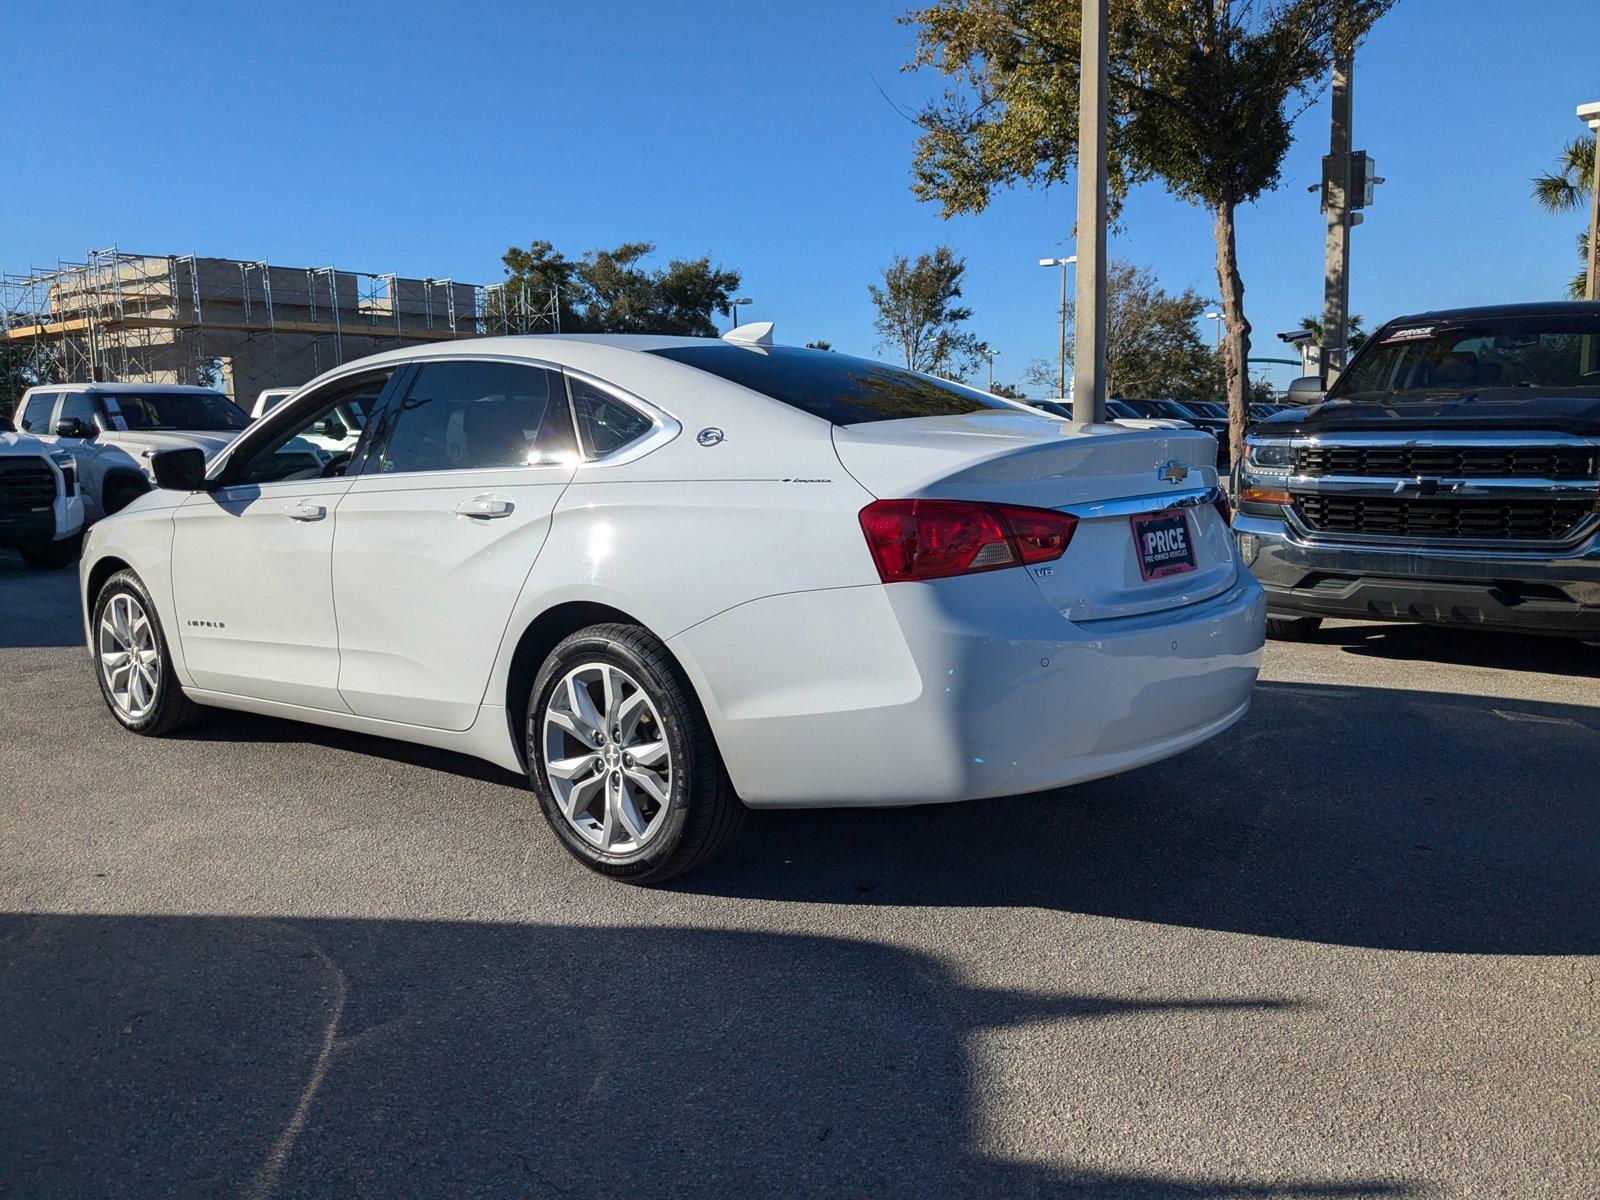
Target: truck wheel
[132,662]
[1293,629]
[623,761]
[52,556]
[121,491]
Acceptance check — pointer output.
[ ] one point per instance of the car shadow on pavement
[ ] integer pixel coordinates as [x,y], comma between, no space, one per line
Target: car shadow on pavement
[48,598]
[1466,647]
[1356,816]
[194,1056]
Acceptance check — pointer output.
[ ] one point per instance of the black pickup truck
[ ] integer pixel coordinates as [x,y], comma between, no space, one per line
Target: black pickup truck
[1451,474]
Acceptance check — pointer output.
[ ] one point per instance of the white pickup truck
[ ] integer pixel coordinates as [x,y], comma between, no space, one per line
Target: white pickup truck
[112,429]
[41,512]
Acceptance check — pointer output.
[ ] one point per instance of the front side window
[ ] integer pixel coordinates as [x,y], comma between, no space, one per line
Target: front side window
[77,406]
[199,412]
[462,416]
[835,387]
[320,443]
[35,416]
[605,423]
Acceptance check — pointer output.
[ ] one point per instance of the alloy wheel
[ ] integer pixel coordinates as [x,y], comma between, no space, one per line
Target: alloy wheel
[606,757]
[130,661]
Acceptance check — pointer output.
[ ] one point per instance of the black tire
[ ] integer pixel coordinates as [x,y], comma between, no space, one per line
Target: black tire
[702,814]
[121,491]
[1293,629]
[52,556]
[171,710]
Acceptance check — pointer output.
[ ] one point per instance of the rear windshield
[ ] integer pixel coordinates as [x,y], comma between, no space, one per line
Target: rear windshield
[1419,360]
[835,387]
[202,412]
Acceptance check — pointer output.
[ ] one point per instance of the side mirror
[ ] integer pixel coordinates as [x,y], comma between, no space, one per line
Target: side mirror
[77,427]
[179,470]
[332,427]
[1305,391]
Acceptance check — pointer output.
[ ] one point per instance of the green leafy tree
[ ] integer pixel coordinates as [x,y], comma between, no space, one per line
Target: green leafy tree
[1153,348]
[1567,189]
[613,291]
[819,344]
[1202,96]
[1007,391]
[919,317]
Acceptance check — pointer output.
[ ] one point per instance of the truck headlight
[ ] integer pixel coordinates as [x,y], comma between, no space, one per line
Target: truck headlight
[1270,458]
[69,472]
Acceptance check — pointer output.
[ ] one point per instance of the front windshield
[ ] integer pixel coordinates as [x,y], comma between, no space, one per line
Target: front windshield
[1422,360]
[202,412]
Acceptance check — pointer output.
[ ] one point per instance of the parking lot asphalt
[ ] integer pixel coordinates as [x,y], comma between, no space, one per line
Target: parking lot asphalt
[1347,949]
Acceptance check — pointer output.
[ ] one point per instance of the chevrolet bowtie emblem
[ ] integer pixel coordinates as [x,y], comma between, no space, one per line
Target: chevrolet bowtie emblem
[1173,471]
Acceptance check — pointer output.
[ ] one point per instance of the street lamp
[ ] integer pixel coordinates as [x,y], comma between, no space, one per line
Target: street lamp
[989,352]
[1063,263]
[733,309]
[1216,342]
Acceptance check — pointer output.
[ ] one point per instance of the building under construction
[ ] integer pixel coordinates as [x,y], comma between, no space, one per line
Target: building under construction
[235,324]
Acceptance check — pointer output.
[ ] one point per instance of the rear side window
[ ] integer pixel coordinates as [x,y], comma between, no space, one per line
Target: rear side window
[605,423]
[462,416]
[35,415]
[835,387]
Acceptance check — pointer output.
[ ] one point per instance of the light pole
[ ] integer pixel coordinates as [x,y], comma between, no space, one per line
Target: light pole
[1216,342]
[733,309]
[1063,263]
[989,353]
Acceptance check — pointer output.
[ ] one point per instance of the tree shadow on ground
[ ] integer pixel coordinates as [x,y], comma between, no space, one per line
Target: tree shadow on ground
[194,1056]
[1357,816]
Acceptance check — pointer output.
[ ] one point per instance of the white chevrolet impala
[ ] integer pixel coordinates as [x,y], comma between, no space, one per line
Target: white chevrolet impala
[671,577]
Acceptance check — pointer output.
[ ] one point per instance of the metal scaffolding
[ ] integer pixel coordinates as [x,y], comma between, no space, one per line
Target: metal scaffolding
[239,324]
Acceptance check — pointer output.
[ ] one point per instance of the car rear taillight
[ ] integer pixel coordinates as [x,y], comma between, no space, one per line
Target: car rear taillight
[1224,507]
[934,539]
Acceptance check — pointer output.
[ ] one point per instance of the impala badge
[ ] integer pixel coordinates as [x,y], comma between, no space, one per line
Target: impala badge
[1173,471]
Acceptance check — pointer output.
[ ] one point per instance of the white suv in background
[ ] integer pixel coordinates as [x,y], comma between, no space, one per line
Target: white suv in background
[41,513]
[111,429]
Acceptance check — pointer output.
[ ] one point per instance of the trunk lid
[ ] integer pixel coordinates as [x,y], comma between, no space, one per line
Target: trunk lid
[1106,475]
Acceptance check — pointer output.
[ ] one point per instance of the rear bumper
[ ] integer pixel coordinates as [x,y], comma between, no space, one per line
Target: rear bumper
[1529,593]
[916,693]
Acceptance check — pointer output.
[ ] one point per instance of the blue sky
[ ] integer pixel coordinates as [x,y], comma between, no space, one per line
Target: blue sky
[424,138]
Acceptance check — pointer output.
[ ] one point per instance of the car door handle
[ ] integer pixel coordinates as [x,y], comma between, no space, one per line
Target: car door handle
[485,508]
[305,511]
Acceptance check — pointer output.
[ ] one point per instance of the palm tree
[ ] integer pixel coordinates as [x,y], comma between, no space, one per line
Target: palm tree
[1568,189]
[1355,331]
